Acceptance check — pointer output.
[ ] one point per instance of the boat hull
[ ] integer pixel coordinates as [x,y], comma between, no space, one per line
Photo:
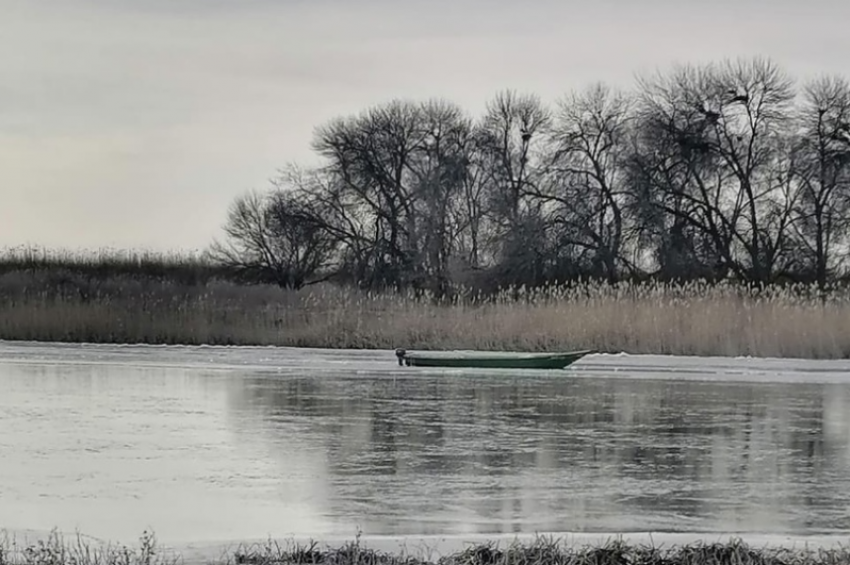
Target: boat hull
[483,361]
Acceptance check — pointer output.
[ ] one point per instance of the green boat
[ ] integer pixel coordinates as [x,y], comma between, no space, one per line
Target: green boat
[471,360]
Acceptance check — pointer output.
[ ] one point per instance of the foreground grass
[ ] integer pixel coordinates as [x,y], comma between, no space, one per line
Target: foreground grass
[184,301]
[543,551]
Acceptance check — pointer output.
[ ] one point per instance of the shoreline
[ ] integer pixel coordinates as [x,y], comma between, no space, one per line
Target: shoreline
[446,545]
[289,361]
[389,351]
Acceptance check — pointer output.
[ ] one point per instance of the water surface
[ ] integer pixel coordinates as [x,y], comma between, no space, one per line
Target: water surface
[205,444]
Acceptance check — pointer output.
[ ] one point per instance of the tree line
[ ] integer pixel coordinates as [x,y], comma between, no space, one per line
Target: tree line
[715,171]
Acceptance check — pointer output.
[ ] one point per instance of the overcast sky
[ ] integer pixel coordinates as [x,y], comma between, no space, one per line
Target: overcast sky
[135,123]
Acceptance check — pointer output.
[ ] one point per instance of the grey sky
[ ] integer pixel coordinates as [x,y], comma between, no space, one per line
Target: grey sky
[134,123]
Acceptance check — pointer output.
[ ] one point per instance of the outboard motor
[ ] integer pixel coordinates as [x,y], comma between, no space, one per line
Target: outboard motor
[400,353]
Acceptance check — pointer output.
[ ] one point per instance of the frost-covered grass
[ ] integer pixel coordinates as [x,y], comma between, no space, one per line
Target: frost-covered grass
[55,550]
[542,551]
[190,305]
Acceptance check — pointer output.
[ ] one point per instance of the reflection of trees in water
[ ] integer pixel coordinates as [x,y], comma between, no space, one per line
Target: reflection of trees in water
[645,445]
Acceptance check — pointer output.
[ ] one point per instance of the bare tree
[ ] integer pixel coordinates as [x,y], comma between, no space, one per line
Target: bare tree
[705,171]
[677,182]
[714,156]
[441,172]
[750,136]
[586,180]
[474,209]
[274,238]
[511,140]
[369,155]
[822,217]
[401,169]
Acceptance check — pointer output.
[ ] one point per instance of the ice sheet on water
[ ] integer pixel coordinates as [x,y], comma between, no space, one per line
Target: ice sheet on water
[325,441]
[383,362]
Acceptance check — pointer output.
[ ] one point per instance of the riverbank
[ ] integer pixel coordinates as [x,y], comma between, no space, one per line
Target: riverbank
[55,550]
[694,319]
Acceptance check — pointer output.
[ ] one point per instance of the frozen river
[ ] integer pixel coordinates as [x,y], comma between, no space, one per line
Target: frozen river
[210,444]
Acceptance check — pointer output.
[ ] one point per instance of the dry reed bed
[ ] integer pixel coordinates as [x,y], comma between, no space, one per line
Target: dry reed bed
[542,551]
[693,319]
[189,268]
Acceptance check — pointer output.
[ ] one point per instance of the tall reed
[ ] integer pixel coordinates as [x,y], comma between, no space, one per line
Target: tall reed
[55,304]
